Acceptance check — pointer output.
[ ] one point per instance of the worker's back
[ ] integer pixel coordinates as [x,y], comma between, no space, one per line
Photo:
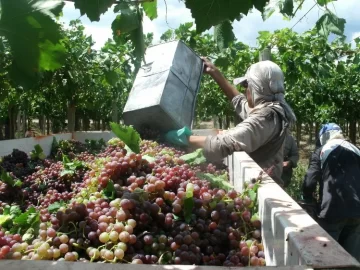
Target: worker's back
[340,185]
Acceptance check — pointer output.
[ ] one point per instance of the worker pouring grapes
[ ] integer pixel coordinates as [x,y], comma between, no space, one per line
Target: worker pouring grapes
[266,118]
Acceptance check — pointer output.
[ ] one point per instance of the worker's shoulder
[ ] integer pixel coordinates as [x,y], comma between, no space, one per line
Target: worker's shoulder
[265,114]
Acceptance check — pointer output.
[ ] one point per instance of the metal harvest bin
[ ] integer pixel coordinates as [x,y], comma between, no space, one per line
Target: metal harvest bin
[164,93]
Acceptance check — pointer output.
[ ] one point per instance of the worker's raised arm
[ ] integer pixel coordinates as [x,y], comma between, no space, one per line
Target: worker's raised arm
[229,90]
[237,99]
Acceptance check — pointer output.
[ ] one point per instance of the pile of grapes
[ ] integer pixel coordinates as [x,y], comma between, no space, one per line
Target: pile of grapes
[126,208]
[17,163]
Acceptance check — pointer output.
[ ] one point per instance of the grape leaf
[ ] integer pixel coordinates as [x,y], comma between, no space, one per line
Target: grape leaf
[137,39]
[260,4]
[127,21]
[52,55]
[150,9]
[37,153]
[4,219]
[38,149]
[109,191]
[286,7]
[14,211]
[66,172]
[28,235]
[128,135]
[65,159]
[223,34]
[56,206]
[188,202]
[209,13]
[252,195]
[130,21]
[330,23]
[216,181]
[6,210]
[93,8]
[27,217]
[31,22]
[194,158]
[149,158]
[256,187]
[6,178]
[112,78]
[18,183]
[324,2]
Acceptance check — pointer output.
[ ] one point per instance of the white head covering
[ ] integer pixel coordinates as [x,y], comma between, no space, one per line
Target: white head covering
[328,132]
[266,83]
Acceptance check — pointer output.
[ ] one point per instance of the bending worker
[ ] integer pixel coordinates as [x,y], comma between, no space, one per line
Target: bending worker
[266,117]
[335,166]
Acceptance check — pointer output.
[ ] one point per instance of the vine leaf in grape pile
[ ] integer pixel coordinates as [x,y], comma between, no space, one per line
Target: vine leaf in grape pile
[6,178]
[148,158]
[4,219]
[70,166]
[9,213]
[34,37]
[252,195]
[93,8]
[195,158]
[128,135]
[18,222]
[216,181]
[56,206]
[37,153]
[109,191]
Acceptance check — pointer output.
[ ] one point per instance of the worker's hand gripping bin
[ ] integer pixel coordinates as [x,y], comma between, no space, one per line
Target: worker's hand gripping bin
[164,93]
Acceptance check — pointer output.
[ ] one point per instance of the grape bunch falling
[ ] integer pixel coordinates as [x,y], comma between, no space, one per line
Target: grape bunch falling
[127,208]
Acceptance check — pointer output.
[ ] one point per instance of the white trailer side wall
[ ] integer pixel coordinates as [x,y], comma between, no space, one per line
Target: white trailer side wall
[27,144]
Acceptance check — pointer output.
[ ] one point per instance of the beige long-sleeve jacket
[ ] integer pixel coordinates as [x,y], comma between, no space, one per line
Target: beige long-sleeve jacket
[261,135]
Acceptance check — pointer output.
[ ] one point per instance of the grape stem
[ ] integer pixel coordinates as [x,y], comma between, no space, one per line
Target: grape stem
[143,234]
[78,246]
[162,255]
[72,223]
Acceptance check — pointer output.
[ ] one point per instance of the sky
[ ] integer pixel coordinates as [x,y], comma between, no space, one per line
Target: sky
[246,30]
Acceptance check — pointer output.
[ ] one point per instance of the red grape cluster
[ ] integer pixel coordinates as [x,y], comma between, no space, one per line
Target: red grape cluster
[7,244]
[18,164]
[49,178]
